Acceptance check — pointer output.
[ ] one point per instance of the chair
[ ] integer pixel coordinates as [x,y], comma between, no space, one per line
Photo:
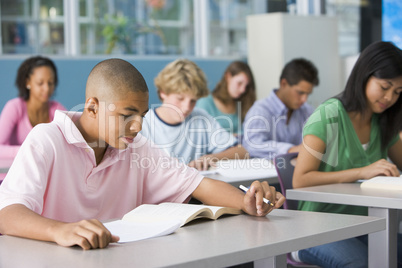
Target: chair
[285,167]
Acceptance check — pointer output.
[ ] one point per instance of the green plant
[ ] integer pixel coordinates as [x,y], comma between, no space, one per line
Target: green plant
[121,30]
[117,30]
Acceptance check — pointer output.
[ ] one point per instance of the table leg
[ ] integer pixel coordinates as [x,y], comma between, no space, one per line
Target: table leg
[273,262]
[383,244]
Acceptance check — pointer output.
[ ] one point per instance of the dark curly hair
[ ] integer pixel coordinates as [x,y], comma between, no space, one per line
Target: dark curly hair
[26,69]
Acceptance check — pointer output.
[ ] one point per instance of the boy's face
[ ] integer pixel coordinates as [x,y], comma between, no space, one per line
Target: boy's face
[296,95]
[121,120]
[182,104]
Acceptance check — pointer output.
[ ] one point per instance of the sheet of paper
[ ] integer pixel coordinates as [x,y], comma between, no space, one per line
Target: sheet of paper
[134,231]
[255,168]
[208,172]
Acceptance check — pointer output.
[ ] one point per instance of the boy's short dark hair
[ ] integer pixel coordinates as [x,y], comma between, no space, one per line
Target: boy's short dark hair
[298,70]
[116,75]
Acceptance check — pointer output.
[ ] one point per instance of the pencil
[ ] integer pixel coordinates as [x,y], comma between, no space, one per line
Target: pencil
[245,189]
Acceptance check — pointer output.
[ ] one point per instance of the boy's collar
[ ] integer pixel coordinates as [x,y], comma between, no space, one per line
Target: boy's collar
[164,122]
[65,121]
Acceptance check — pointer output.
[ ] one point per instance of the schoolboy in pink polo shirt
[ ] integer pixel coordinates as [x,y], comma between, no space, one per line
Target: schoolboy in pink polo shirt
[91,166]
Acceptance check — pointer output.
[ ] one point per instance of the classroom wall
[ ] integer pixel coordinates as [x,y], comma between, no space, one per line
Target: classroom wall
[274,39]
[73,73]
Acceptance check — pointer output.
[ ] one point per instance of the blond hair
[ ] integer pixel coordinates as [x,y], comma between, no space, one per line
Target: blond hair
[182,76]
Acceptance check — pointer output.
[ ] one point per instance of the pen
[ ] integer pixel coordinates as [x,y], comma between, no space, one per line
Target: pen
[245,189]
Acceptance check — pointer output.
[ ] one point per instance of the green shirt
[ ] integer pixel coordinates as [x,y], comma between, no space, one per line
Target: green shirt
[331,123]
[230,122]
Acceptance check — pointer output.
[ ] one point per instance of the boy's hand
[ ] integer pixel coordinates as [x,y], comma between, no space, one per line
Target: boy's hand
[87,234]
[253,199]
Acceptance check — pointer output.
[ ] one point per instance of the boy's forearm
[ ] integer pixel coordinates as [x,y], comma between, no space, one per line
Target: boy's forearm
[218,193]
[18,220]
[235,152]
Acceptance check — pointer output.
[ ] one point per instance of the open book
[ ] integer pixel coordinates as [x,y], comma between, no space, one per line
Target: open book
[148,221]
[383,182]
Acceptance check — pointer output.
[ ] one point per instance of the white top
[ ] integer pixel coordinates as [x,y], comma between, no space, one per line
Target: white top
[198,135]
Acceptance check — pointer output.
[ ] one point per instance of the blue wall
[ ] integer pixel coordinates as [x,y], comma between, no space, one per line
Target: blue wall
[73,73]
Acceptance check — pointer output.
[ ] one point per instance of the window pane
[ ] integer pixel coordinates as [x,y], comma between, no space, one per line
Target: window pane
[51,38]
[51,8]
[228,26]
[16,8]
[169,10]
[15,38]
[348,14]
[137,27]
[37,33]
[83,8]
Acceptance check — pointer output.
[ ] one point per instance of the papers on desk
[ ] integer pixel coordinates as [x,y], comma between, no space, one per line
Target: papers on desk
[383,182]
[134,231]
[208,172]
[254,168]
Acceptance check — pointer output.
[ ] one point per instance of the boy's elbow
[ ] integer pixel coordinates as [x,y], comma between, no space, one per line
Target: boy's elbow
[4,222]
[10,216]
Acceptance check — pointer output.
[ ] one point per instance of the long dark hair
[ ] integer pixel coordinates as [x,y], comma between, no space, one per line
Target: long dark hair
[26,69]
[382,60]
[247,98]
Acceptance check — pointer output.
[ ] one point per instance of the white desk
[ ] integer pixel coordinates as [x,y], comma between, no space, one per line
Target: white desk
[224,242]
[245,181]
[382,245]
[244,171]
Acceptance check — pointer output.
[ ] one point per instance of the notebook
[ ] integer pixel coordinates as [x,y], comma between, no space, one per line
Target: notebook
[383,182]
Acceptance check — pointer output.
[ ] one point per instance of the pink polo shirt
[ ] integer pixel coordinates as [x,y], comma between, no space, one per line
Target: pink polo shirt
[55,175]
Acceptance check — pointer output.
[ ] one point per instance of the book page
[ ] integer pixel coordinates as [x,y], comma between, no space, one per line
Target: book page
[254,168]
[164,211]
[134,231]
[219,211]
[383,182]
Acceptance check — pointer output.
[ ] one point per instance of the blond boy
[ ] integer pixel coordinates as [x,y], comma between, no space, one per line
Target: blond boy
[183,131]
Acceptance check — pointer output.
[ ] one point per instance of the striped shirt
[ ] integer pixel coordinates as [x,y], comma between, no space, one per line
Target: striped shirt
[266,131]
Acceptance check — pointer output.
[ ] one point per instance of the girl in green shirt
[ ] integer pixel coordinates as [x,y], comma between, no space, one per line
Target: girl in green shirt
[349,138]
